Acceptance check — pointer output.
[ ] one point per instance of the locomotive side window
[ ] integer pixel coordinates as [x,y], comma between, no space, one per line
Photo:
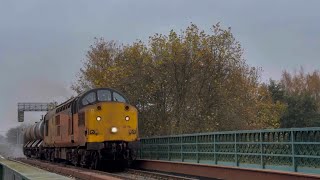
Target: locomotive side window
[58,120]
[104,95]
[89,98]
[118,97]
[81,119]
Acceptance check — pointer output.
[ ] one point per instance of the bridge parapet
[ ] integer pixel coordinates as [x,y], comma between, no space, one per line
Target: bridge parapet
[14,170]
[296,150]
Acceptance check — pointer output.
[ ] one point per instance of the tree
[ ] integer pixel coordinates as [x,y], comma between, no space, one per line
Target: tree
[183,83]
[300,92]
[299,83]
[301,112]
[271,104]
[276,90]
[2,139]
[15,135]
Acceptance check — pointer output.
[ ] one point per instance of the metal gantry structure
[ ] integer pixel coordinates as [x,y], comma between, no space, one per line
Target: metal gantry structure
[33,107]
[296,150]
[22,107]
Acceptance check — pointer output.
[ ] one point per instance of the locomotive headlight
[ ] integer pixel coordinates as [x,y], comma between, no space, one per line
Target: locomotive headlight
[127,118]
[114,130]
[98,118]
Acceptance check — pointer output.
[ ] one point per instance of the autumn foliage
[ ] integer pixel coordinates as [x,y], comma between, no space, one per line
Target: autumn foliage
[184,82]
[300,92]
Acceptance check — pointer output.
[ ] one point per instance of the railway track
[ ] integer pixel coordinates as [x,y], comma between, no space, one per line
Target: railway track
[142,174]
[84,174]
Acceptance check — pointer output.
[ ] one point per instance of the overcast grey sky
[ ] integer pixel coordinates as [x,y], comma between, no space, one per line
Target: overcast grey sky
[42,43]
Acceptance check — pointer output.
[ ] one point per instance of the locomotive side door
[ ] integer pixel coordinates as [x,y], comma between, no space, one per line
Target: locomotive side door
[73,118]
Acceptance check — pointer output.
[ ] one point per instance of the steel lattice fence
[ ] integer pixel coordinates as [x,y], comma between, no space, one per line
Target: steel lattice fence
[295,150]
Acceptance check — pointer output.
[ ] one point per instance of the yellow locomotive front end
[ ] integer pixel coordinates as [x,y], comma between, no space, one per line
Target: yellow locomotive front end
[109,124]
[111,121]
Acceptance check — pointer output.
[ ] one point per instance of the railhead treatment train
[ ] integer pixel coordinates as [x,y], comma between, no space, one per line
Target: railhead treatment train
[90,130]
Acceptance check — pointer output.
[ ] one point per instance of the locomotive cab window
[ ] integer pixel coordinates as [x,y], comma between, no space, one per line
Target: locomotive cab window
[117,97]
[104,95]
[101,95]
[89,99]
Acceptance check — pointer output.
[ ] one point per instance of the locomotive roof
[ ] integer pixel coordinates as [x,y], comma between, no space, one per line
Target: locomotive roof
[85,92]
[53,111]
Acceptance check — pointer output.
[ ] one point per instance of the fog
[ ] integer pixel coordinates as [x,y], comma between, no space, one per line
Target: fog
[10,150]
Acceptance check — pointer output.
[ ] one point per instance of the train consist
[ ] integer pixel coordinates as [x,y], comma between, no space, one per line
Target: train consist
[89,130]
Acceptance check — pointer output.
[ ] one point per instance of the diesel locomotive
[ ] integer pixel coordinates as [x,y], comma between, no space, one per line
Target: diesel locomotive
[89,130]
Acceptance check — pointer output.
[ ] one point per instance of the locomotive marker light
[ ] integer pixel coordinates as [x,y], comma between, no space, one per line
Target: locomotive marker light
[98,118]
[127,118]
[114,130]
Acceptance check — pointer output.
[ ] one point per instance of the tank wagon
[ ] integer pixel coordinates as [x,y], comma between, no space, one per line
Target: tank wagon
[90,130]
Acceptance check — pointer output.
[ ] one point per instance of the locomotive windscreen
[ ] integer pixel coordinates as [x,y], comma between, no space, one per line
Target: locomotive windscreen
[101,95]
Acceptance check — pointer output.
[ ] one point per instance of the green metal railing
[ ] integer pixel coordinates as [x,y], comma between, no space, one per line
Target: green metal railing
[295,150]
